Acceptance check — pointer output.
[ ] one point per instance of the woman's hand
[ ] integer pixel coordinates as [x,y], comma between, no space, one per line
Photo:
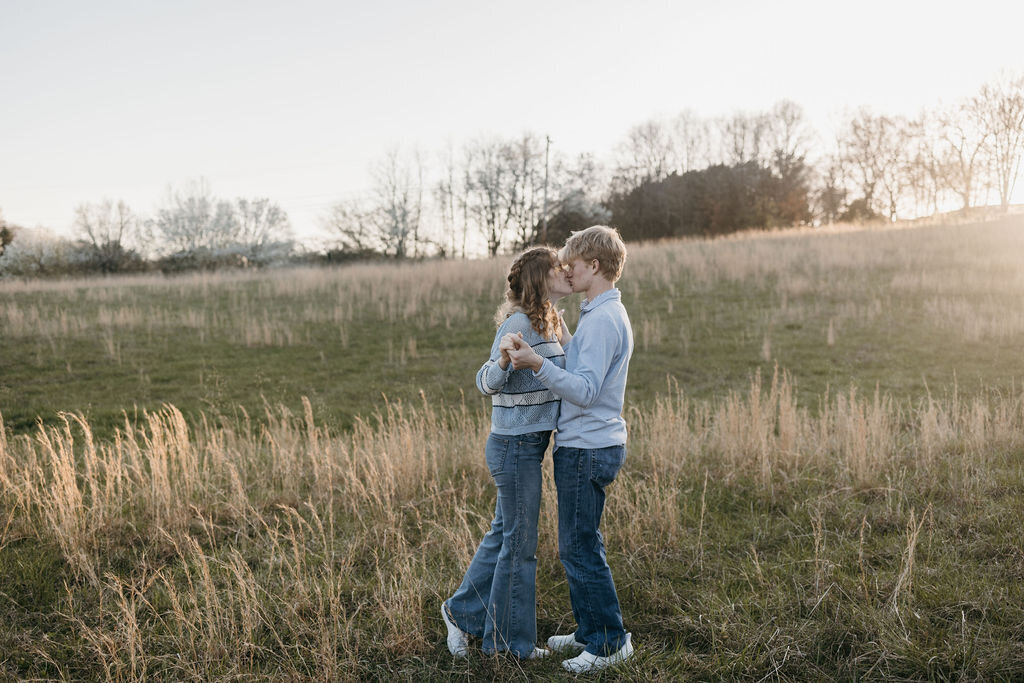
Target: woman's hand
[564,335]
[509,342]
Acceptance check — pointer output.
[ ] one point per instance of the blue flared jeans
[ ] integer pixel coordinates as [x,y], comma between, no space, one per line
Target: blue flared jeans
[497,600]
[581,475]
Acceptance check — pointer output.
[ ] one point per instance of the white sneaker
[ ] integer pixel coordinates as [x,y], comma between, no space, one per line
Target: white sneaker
[538,653]
[566,642]
[458,640]
[586,662]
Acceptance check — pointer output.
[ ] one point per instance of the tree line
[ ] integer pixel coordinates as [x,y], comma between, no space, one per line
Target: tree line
[192,229]
[689,175]
[669,177]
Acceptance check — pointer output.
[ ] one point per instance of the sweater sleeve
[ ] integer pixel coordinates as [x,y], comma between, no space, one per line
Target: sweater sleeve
[490,378]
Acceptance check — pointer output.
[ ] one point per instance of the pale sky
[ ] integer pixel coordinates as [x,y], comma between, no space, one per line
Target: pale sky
[294,101]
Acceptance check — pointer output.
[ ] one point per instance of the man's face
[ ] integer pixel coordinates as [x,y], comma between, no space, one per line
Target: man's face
[558,280]
[581,273]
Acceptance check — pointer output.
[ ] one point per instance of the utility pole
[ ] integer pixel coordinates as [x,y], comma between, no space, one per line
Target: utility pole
[544,213]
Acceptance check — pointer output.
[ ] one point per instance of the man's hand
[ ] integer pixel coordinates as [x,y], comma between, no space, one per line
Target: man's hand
[525,357]
[508,343]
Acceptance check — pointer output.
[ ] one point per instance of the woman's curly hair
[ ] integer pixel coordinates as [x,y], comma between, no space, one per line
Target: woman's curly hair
[528,290]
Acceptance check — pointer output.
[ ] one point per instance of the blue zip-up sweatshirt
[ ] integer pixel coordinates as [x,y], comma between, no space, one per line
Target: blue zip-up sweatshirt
[519,402]
[592,385]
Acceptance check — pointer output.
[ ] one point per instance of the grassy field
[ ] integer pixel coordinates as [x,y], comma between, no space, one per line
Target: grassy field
[824,476]
[908,310]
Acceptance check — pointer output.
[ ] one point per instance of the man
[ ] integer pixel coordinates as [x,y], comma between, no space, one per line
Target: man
[590,445]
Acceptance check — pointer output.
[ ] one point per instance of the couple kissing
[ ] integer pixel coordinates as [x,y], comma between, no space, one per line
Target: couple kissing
[543,380]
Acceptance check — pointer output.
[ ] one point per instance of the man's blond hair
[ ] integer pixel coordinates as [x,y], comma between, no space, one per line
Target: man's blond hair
[597,242]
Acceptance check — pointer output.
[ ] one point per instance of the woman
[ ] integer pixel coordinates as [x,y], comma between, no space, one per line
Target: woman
[497,598]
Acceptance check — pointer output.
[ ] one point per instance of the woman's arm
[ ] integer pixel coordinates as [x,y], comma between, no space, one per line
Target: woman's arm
[492,375]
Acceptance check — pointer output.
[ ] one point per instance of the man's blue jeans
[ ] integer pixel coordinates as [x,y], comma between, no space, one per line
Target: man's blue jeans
[497,600]
[581,475]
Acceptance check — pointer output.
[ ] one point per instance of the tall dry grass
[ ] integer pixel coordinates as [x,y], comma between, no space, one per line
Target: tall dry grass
[278,546]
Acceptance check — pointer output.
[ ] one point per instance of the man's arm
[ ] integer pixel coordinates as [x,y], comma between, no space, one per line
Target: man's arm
[596,352]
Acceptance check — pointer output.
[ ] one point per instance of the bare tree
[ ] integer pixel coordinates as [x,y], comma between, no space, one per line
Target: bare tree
[582,174]
[486,199]
[398,192]
[465,192]
[895,163]
[832,194]
[192,219]
[445,192]
[963,137]
[355,227]
[524,158]
[1002,110]
[647,154]
[787,137]
[926,171]
[388,221]
[255,224]
[110,230]
[873,157]
[576,184]
[188,219]
[692,141]
[742,137]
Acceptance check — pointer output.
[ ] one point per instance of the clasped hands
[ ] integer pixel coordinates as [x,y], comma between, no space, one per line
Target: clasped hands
[518,353]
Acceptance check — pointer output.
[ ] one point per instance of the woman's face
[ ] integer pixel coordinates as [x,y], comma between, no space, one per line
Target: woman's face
[558,282]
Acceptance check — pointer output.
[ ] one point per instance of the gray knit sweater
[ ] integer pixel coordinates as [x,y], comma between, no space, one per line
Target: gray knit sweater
[519,402]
